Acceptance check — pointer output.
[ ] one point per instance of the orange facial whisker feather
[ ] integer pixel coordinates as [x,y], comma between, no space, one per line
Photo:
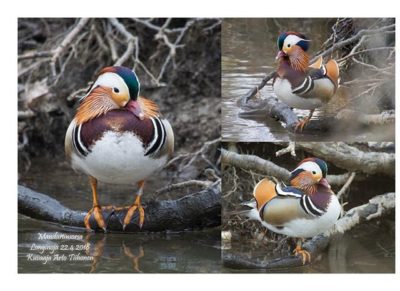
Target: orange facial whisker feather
[149,108]
[299,59]
[95,104]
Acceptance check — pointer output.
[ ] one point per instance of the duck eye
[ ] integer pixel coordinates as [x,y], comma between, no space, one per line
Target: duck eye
[314,172]
[288,45]
[116,90]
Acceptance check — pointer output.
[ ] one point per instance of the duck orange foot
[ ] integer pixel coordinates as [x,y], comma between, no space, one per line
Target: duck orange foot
[305,255]
[97,212]
[301,124]
[136,206]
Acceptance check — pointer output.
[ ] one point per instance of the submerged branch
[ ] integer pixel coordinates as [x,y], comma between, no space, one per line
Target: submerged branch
[256,89]
[197,210]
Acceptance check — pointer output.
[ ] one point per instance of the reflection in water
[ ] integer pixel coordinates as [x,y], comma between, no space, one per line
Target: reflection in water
[181,252]
[134,258]
[95,250]
[191,251]
[96,247]
[368,248]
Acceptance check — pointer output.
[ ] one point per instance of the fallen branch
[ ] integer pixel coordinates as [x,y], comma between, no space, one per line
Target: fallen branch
[352,159]
[25,114]
[182,185]
[385,117]
[376,207]
[268,168]
[387,146]
[252,162]
[256,89]
[193,211]
[276,109]
[291,148]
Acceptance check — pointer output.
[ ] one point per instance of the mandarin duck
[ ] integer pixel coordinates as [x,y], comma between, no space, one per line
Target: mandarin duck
[117,137]
[302,210]
[299,84]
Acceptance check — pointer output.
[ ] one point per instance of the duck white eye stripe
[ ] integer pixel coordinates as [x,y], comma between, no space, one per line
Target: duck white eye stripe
[293,39]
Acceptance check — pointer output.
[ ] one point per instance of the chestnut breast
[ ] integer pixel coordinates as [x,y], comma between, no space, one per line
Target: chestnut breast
[121,121]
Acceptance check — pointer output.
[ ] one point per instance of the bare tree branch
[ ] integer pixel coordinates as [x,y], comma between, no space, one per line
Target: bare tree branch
[252,162]
[352,159]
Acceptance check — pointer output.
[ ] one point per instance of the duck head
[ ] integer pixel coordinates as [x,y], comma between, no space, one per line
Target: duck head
[309,174]
[115,88]
[292,48]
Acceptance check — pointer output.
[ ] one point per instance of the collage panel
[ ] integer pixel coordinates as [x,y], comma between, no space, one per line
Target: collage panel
[118,160]
[308,207]
[308,79]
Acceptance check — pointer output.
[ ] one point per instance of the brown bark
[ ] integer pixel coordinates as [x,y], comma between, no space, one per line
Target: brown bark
[193,211]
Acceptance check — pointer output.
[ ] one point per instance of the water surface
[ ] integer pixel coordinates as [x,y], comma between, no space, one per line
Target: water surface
[165,252]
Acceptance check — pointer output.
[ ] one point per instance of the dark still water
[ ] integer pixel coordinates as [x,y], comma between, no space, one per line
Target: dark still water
[42,250]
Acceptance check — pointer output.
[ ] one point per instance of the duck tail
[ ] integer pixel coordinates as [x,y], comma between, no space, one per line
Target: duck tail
[263,192]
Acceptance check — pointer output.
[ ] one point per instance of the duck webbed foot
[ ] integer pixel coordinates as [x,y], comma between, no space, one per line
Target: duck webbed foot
[299,251]
[136,206]
[97,212]
[302,123]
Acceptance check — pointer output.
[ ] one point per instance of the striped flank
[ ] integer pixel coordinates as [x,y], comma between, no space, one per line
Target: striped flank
[159,137]
[309,207]
[306,86]
[78,144]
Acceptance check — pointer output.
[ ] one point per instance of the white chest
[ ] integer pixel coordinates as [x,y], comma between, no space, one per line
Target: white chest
[118,159]
[283,91]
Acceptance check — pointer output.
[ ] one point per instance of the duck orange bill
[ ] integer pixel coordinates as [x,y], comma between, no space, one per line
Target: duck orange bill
[324,182]
[134,107]
[280,54]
